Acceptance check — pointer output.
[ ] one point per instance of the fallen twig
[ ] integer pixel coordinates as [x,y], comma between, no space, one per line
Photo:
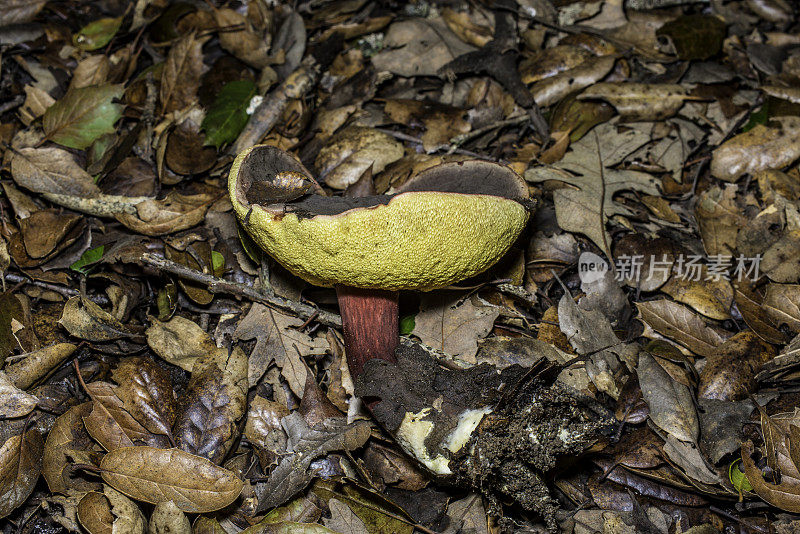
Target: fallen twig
[218,285]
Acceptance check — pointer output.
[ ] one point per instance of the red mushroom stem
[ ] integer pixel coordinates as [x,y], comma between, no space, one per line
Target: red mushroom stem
[370,322]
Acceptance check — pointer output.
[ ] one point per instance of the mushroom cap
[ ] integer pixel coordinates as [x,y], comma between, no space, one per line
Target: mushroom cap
[426,237]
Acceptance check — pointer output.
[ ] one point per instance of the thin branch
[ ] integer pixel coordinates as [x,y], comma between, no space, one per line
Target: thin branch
[218,285]
[513,121]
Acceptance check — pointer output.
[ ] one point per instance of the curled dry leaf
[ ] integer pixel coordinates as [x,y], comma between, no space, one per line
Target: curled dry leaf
[785,495]
[90,71]
[83,115]
[770,146]
[110,512]
[86,320]
[352,151]
[37,364]
[244,42]
[639,101]
[20,466]
[151,475]
[68,441]
[551,90]
[13,401]
[174,213]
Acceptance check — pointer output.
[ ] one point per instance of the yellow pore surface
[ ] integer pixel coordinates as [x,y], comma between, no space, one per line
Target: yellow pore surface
[419,240]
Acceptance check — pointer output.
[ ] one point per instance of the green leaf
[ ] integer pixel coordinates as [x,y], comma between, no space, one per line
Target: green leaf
[82,115]
[228,114]
[737,477]
[97,34]
[91,256]
[217,262]
[406,325]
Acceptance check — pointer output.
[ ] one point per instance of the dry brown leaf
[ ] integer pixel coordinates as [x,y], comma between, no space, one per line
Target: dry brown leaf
[18,11]
[36,103]
[770,146]
[680,324]
[20,466]
[551,61]
[147,393]
[463,25]
[68,440]
[86,320]
[441,122]
[154,475]
[51,170]
[349,153]
[92,70]
[730,373]
[785,496]
[709,296]
[179,341]
[181,75]
[719,219]
[782,304]
[246,43]
[671,403]
[278,340]
[13,401]
[110,512]
[418,47]
[453,324]
[640,101]
[167,518]
[174,213]
[110,424]
[550,90]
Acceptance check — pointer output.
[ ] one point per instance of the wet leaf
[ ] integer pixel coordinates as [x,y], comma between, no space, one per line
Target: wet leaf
[83,115]
[227,116]
[154,475]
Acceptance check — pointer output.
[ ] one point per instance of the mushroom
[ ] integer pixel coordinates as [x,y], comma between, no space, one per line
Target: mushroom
[448,223]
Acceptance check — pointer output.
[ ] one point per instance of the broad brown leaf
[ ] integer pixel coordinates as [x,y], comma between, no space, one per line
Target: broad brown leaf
[680,324]
[671,404]
[146,392]
[67,439]
[181,75]
[20,466]
[51,170]
[154,475]
[110,424]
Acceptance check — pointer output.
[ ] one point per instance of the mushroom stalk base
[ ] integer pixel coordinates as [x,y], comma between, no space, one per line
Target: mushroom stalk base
[370,323]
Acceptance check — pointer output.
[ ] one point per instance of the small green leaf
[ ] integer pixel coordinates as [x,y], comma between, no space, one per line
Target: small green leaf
[407,324]
[82,115]
[757,117]
[737,477]
[97,34]
[91,256]
[217,262]
[228,114]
